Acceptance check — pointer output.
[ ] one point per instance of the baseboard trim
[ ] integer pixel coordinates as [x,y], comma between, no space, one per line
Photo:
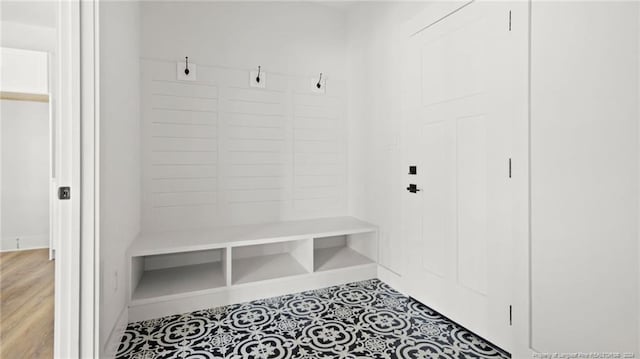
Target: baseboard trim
[39,241]
[467,329]
[23,249]
[113,342]
[393,279]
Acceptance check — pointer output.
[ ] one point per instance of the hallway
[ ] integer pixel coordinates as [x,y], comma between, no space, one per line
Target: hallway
[26,304]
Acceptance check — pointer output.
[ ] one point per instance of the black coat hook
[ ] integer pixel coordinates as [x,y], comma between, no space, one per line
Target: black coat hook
[319,84]
[258,77]
[186,65]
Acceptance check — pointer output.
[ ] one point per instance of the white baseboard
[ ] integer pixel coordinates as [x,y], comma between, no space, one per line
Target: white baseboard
[9,243]
[392,279]
[113,342]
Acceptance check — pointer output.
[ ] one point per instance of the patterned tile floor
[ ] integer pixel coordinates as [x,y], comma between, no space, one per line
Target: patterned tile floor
[362,320]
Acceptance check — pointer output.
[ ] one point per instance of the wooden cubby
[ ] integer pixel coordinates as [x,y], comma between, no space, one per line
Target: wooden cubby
[238,263]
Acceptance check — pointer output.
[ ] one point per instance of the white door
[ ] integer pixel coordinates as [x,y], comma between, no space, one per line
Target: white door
[457,127]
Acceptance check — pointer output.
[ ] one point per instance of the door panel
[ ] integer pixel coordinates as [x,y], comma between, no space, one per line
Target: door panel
[451,61]
[472,203]
[436,224]
[457,131]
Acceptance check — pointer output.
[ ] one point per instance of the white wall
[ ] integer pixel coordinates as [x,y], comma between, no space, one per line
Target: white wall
[287,37]
[375,31]
[27,36]
[119,156]
[34,13]
[584,176]
[25,179]
[25,141]
[245,155]
[24,71]
[31,25]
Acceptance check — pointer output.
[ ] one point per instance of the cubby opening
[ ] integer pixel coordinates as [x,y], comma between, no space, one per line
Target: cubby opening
[175,274]
[271,261]
[344,251]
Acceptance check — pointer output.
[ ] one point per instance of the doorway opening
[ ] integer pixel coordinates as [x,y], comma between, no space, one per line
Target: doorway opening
[29,167]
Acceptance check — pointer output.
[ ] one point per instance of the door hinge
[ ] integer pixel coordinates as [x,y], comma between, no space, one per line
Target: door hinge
[509,20]
[510,315]
[509,167]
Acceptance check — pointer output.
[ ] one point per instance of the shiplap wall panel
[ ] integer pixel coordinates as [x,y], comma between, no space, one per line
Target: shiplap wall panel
[183,185]
[320,154]
[182,158]
[183,117]
[243,120]
[184,198]
[182,130]
[318,181]
[315,147]
[182,172]
[218,152]
[187,104]
[183,89]
[166,144]
[255,183]
[255,157]
[319,135]
[258,133]
[327,112]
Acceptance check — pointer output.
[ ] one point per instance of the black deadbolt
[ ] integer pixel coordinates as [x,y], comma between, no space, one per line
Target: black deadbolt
[64,193]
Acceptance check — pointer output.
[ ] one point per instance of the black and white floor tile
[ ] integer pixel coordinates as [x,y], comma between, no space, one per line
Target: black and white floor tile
[362,320]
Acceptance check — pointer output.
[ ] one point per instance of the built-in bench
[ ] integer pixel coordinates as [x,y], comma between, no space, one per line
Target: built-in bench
[179,271]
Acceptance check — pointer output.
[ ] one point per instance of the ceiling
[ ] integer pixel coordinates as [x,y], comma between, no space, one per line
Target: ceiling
[343,5]
[38,13]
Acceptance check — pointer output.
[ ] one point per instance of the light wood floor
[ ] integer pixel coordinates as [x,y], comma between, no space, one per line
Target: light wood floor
[26,304]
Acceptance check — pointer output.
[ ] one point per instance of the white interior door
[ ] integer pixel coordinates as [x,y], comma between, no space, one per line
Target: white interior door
[457,132]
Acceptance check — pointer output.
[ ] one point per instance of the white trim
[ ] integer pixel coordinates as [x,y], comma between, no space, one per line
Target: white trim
[26,242]
[638,203]
[76,295]
[22,249]
[521,184]
[393,279]
[67,264]
[113,342]
[53,215]
[90,127]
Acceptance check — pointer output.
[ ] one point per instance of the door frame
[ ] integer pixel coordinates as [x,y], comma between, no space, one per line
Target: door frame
[90,172]
[77,253]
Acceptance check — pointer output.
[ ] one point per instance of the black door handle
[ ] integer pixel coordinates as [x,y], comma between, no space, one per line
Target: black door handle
[413,188]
